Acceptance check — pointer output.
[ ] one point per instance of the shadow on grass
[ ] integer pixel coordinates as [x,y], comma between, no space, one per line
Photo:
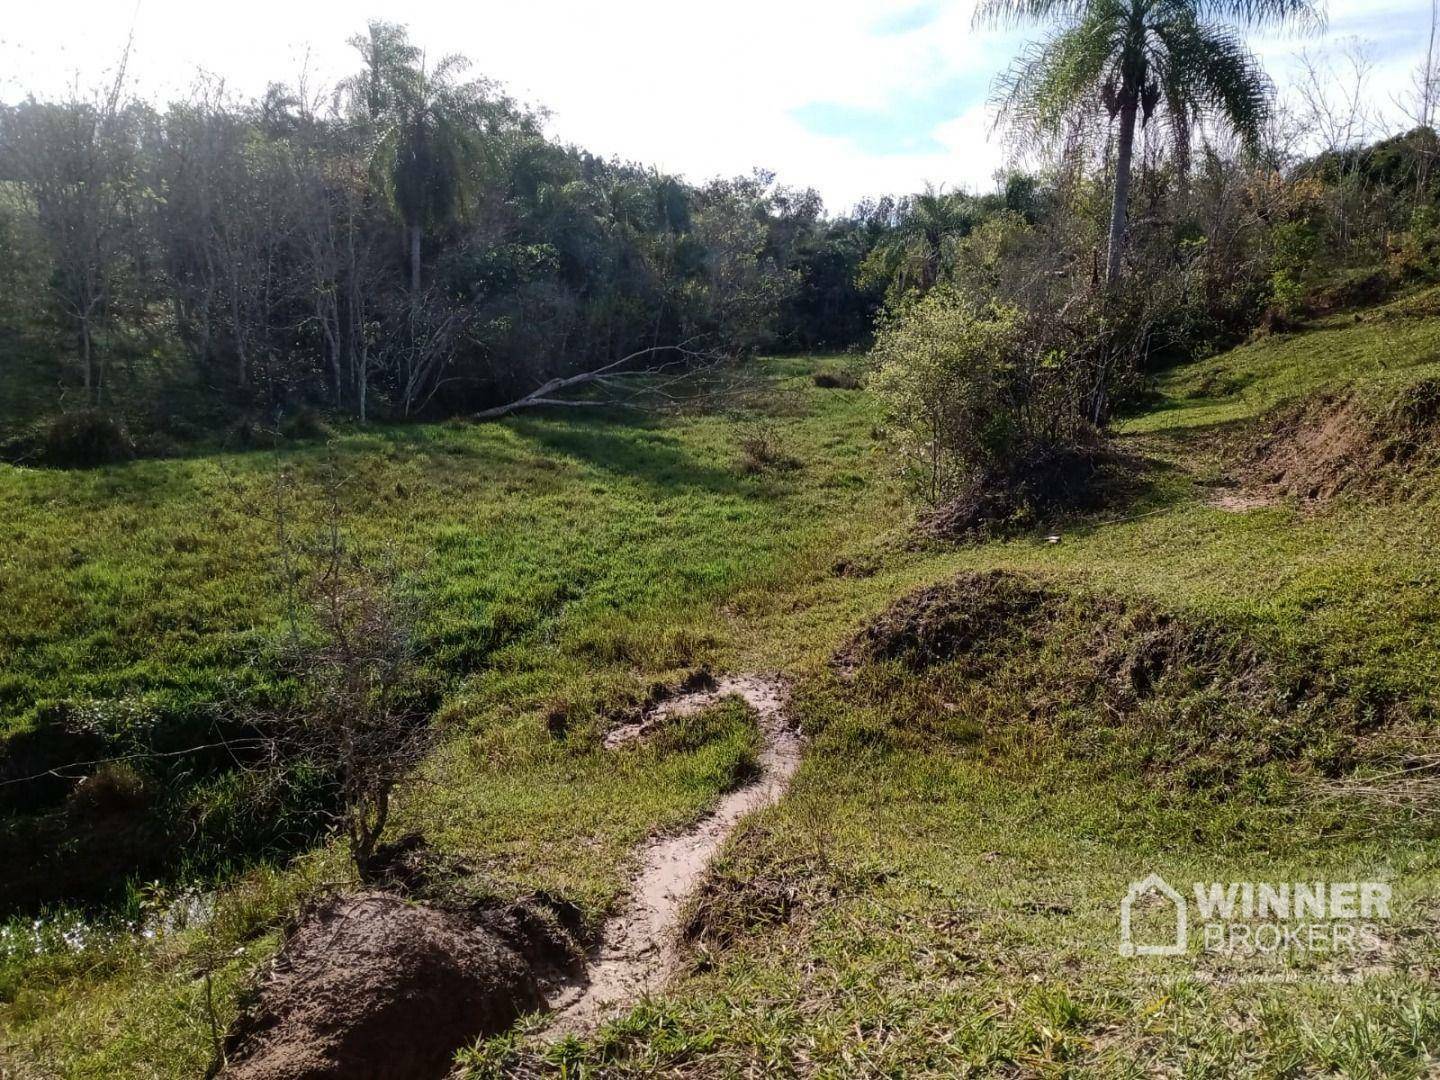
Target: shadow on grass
[637,449]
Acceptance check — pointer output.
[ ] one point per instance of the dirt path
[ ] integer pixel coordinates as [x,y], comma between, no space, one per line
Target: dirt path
[1240,502]
[638,949]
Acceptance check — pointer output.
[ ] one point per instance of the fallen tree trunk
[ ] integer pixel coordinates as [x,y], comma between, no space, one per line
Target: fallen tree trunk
[544,396]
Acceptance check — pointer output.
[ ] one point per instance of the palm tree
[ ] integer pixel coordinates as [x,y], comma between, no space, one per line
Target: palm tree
[426,125]
[914,252]
[1131,58]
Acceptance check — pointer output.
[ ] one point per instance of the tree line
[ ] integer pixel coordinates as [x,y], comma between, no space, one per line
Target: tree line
[407,243]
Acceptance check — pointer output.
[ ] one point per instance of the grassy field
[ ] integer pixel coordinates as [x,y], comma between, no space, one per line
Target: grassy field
[957,840]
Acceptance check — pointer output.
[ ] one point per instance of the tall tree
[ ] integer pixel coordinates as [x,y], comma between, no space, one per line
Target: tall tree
[1185,58]
[74,162]
[914,252]
[426,125]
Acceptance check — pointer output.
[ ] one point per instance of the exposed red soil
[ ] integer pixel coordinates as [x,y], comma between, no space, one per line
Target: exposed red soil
[1347,443]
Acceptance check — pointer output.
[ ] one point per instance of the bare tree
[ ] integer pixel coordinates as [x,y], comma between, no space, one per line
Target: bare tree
[1418,105]
[1337,110]
[1333,92]
[420,356]
[74,162]
[351,650]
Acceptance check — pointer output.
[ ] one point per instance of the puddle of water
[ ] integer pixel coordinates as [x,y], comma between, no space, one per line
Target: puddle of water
[69,932]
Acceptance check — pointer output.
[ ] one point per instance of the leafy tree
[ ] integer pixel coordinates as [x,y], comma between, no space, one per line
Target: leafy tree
[913,254]
[427,124]
[1132,58]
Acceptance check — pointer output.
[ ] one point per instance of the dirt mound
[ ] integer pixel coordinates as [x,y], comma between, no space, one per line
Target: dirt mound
[1047,482]
[1348,443]
[1108,676]
[1132,647]
[373,985]
[938,623]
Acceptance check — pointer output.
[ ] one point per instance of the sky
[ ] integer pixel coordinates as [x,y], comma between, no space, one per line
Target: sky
[852,97]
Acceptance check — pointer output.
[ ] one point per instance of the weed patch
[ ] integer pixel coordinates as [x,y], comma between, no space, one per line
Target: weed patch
[1037,487]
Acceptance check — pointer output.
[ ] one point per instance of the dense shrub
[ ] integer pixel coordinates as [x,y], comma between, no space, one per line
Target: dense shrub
[998,412]
[971,388]
[85,439]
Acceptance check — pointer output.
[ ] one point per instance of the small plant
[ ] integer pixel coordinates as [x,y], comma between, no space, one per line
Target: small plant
[763,450]
[1287,293]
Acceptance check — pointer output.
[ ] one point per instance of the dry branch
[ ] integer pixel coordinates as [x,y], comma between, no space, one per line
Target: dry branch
[543,396]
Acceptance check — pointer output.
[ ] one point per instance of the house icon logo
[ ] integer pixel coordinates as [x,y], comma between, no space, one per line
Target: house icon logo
[1142,891]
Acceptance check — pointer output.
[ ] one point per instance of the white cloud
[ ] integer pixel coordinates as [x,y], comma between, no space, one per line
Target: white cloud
[699,89]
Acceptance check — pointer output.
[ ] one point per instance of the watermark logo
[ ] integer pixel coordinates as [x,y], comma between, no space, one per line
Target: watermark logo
[1250,917]
[1158,889]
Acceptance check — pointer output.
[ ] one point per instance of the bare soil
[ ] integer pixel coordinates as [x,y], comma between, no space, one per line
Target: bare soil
[1242,502]
[639,948]
[374,985]
[1345,443]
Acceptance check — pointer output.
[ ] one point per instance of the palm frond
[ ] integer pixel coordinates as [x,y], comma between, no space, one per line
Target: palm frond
[1000,14]
[1307,16]
[1211,68]
[1053,79]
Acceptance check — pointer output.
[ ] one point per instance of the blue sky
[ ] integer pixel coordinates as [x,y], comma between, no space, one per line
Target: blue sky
[905,124]
[854,97]
[909,19]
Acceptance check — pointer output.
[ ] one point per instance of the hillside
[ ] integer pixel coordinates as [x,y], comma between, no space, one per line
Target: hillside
[1020,729]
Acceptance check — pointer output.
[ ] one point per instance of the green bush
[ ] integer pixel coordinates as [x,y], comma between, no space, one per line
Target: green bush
[1287,292]
[950,372]
[976,392]
[85,439]
[997,412]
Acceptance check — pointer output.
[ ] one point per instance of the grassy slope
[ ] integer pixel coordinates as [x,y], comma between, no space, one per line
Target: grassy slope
[959,885]
[565,564]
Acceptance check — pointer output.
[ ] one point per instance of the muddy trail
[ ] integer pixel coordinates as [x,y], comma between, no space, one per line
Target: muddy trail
[638,949]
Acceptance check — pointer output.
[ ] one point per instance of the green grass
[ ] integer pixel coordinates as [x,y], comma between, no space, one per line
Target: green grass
[957,866]
[542,814]
[1388,342]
